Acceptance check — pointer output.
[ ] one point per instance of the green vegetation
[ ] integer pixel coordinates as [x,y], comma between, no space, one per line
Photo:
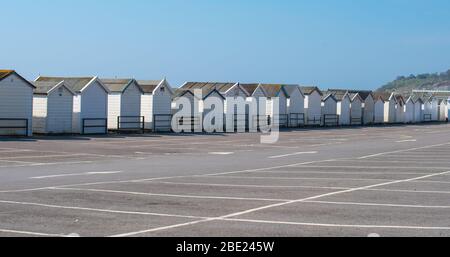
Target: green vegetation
[435,81]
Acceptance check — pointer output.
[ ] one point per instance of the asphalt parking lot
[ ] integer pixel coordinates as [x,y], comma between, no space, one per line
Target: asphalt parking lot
[387,181]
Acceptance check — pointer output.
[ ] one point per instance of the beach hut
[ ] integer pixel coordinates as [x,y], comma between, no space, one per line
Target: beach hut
[368,105]
[356,112]
[434,108]
[295,105]
[313,105]
[258,94]
[400,108]
[329,110]
[390,111]
[428,108]
[186,109]
[343,105]
[379,109]
[229,91]
[277,91]
[156,104]
[16,104]
[52,108]
[409,110]
[90,103]
[418,109]
[124,104]
[443,110]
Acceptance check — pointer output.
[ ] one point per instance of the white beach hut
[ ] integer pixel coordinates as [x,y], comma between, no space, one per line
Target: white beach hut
[368,105]
[400,109]
[156,104]
[124,104]
[90,103]
[52,108]
[443,109]
[277,91]
[409,110]
[313,105]
[329,110]
[295,105]
[343,105]
[418,109]
[16,104]
[379,109]
[258,94]
[356,112]
[390,111]
[434,108]
[187,111]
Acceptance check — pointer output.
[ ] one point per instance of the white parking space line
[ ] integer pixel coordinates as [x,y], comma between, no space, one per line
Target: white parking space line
[403,150]
[292,154]
[382,204]
[221,153]
[98,210]
[41,156]
[78,174]
[399,160]
[9,161]
[29,233]
[379,167]
[246,185]
[306,187]
[335,225]
[44,164]
[342,172]
[232,215]
[172,195]
[297,178]
[16,151]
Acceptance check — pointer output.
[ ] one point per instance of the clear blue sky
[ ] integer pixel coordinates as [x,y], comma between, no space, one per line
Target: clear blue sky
[329,43]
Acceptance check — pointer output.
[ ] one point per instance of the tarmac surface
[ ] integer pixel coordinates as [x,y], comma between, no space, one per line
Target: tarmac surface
[387,180]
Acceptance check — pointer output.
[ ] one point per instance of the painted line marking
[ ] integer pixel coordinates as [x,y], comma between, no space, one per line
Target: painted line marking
[221,153]
[298,178]
[292,154]
[45,164]
[41,156]
[374,167]
[406,141]
[99,210]
[78,174]
[245,185]
[30,233]
[134,233]
[173,195]
[335,225]
[341,172]
[382,204]
[403,150]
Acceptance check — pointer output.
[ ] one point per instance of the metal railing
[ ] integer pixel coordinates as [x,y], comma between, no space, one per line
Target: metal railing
[85,126]
[123,123]
[193,121]
[240,119]
[330,120]
[283,120]
[18,127]
[162,122]
[355,121]
[296,120]
[315,121]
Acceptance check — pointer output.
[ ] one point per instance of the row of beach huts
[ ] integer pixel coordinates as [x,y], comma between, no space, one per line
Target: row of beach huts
[90,105]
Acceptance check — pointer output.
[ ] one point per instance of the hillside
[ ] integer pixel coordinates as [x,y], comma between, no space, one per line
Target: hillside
[435,81]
